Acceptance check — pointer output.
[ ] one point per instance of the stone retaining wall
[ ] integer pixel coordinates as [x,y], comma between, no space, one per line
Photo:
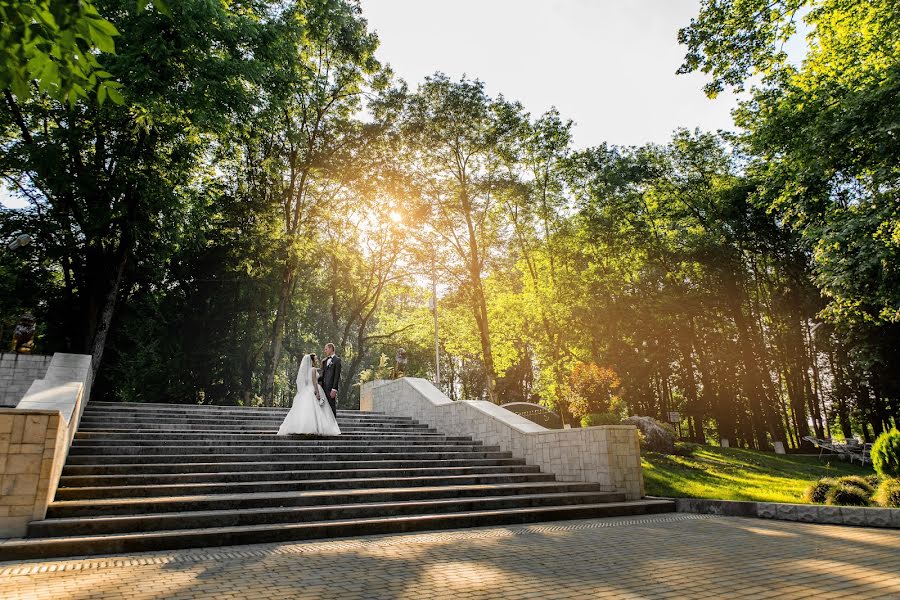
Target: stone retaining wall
[608,455]
[17,371]
[35,438]
[806,513]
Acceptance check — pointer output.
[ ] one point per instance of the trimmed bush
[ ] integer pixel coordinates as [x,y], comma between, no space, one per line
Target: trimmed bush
[888,494]
[873,480]
[857,482]
[595,419]
[657,437]
[886,454]
[817,491]
[846,495]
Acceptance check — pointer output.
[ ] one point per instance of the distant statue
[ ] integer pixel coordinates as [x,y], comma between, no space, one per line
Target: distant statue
[399,364]
[23,334]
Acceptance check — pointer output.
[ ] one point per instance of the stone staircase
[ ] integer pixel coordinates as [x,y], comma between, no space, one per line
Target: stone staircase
[143,477]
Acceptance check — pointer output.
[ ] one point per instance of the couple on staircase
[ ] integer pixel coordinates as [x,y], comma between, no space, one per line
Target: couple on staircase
[309,413]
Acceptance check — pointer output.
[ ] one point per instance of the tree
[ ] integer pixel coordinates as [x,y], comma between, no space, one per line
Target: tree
[454,131]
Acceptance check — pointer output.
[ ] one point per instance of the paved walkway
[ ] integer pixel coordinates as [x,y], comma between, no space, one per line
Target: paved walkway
[667,556]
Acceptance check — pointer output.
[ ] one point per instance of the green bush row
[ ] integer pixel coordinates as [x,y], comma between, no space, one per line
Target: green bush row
[853,490]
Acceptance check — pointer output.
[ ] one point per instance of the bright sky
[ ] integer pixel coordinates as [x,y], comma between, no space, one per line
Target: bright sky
[609,65]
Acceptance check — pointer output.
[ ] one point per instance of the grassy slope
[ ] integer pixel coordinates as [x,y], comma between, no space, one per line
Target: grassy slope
[732,474]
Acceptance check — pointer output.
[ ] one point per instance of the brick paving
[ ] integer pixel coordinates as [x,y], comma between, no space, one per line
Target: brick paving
[666,556]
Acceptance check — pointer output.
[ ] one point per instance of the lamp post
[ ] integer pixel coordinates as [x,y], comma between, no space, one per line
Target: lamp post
[433,303]
[23,239]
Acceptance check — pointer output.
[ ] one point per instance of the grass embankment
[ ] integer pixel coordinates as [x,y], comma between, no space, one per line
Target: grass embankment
[732,474]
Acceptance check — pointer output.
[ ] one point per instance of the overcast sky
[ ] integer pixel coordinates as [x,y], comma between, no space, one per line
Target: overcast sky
[609,65]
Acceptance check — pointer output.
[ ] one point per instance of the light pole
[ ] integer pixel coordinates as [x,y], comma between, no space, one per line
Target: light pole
[437,347]
[23,239]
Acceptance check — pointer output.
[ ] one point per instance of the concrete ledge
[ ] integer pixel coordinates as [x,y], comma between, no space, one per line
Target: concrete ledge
[34,440]
[806,513]
[608,455]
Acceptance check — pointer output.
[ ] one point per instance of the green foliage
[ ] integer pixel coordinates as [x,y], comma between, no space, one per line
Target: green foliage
[846,495]
[886,454]
[817,492]
[380,371]
[595,419]
[54,46]
[736,474]
[733,39]
[888,493]
[858,482]
[591,389]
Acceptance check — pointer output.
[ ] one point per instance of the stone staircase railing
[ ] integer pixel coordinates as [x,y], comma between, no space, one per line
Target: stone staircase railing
[35,437]
[608,455]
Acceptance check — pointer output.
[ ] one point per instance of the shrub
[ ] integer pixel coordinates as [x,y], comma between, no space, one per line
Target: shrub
[888,494]
[873,480]
[857,482]
[846,495]
[657,437]
[886,454]
[817,492]
[594,419]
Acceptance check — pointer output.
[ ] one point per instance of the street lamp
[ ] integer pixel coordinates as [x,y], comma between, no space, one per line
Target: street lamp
[23,239]
[433,305]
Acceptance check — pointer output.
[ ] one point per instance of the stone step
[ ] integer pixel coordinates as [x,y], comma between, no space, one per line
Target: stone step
[268,435]
[354,506]
[73,482]
[104,432]
[296,485]
[306,456]
[271,447]
[114,444]
[244,428]
[157,407]
[260,449]
[234,413]
[18,549]
[336,465]
[216,502]
[264,420]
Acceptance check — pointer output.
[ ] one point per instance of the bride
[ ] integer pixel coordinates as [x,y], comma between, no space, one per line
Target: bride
[310,413]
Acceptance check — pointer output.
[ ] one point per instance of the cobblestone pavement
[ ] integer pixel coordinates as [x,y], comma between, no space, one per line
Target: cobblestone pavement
[665,556]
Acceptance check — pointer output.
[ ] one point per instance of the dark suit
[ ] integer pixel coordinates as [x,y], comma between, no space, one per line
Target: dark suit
[330,379]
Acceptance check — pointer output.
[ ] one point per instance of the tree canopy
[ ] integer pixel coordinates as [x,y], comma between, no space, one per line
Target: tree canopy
[261,184]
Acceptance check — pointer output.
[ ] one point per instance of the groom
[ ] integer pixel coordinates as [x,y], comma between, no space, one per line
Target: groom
[330,377]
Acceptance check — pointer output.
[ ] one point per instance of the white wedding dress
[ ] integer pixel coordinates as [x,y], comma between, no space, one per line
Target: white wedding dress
[307,414]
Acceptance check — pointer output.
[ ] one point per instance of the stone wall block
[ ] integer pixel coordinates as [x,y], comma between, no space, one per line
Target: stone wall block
[607,455]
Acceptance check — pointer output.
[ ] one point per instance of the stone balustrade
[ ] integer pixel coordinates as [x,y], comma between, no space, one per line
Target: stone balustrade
[17,372]
[608,455]
[35,436]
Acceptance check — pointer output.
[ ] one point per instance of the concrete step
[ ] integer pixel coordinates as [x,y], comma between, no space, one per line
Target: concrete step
[205,433]
[217,502]
[292,465]
[272,448]
[89,418]
[158,476]
[243,428]
[296,485]
[300,455]
[72,482]
[256,534]
[355,507]
[268,435]
[201,408]
[274,440]
[233,414]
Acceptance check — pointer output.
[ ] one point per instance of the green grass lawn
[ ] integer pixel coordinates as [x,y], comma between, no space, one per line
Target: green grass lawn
[733,474]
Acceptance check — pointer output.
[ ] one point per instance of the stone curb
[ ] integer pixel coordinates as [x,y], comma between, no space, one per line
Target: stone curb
[804,513]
